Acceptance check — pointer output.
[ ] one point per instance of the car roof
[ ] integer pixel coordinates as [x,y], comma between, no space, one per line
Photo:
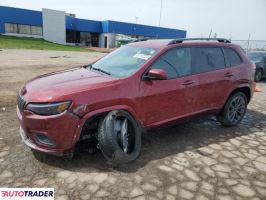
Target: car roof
[163,43]
[156,43]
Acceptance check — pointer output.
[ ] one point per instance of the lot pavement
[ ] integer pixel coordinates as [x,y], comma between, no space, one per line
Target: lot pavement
[196,160]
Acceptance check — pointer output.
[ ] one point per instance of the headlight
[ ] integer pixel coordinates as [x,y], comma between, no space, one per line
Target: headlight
[48,108]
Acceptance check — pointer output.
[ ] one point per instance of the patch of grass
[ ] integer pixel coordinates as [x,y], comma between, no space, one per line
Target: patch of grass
[11,42]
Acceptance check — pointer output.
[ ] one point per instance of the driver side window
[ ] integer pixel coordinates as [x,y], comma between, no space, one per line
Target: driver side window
[175,62]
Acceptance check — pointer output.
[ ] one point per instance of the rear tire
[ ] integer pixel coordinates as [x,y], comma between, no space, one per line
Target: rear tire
[234,110]
[119,137]
[258,75]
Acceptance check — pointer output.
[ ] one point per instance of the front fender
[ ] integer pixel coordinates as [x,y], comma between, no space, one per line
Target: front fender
[101,111]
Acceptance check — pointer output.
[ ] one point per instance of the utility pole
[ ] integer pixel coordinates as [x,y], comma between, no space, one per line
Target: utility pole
[160,17]
[210,34]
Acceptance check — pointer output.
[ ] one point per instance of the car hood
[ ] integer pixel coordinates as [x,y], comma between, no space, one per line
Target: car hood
[53,86]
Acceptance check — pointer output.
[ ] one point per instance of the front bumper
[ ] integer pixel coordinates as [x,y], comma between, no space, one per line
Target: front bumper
[60,129]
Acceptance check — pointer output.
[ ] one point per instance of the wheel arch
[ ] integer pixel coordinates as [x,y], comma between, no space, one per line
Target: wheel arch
[244,89]
[100,113]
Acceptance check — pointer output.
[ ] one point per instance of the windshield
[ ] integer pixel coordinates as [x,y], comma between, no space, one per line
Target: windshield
[124,61]
[255,56]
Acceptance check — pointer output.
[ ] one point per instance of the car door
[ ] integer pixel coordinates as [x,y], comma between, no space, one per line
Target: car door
[214,78]
[165,100]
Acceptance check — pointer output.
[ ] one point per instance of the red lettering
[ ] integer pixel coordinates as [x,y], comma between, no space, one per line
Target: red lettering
[4,194]
[21,193]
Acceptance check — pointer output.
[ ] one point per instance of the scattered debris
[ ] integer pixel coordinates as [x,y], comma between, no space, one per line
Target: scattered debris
[60,56]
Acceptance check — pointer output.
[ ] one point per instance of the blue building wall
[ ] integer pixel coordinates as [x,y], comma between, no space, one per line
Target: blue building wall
[30,17]
[19,16]
[83,25]
[138,29]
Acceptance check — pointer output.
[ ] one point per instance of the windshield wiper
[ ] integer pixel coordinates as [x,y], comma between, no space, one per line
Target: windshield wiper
[99,70]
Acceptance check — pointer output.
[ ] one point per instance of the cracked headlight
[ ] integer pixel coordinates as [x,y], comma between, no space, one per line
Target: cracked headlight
[48,108]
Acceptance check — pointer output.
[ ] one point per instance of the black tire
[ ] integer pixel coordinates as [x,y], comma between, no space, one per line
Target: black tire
[258,75]
[226,118]
[109,138]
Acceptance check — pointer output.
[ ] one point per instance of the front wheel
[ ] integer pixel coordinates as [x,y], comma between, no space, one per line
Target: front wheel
[234,110]
[119,137]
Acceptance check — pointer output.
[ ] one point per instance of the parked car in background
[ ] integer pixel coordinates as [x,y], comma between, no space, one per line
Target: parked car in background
[259,59]
[137,87]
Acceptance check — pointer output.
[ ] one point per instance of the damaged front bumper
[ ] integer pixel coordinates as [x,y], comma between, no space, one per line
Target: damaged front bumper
[56,135]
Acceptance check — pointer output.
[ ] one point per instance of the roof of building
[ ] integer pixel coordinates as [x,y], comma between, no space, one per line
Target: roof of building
[30,17]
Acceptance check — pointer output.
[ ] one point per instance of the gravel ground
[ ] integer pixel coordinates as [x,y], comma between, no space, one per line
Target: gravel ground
[196,160]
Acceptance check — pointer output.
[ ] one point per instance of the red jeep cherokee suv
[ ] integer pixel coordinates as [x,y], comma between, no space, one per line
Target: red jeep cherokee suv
[139,86]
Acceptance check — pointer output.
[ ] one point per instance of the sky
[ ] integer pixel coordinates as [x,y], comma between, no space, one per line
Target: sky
[233,19]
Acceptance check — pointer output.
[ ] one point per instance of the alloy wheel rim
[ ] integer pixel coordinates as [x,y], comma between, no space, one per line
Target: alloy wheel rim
[122,130]
[236,109]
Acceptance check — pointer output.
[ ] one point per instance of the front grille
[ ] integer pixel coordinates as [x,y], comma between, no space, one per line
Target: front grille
[20,102]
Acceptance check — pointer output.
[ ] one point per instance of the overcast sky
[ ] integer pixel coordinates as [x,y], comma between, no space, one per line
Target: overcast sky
[234,19]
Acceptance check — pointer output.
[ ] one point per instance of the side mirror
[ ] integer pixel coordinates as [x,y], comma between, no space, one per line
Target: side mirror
[156,74]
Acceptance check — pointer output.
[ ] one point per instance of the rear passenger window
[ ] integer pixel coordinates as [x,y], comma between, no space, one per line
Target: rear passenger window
[207,59]
[176,62]
[232,57]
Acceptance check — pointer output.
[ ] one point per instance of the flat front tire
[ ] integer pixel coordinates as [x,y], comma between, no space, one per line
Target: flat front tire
[234,110]
[119,137]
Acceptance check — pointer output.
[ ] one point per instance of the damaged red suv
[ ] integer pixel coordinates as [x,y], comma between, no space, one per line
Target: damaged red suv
[137,87]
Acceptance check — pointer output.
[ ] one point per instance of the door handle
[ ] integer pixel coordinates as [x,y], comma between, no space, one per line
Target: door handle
[188,82]
[228,74]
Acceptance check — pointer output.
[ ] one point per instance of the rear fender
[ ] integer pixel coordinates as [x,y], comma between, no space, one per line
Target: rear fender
[241,85]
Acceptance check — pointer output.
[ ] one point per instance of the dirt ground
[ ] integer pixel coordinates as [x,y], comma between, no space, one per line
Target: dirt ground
[196,160]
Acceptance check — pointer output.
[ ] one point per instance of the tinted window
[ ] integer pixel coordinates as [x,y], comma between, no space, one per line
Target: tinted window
[232,57]
[176,62]
[207,59]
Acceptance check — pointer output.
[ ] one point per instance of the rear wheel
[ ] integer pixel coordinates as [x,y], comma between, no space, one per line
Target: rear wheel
[234,110]
[119,137]
[258,75]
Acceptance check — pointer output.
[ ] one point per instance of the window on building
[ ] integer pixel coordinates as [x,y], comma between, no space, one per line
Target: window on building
[23,29]
[207,59]
[11,28]
[36,30]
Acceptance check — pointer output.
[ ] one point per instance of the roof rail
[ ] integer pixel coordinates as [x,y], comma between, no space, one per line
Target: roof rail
[139,40]
[180,40]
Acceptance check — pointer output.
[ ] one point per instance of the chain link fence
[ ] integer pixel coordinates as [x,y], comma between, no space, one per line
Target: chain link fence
[259,45]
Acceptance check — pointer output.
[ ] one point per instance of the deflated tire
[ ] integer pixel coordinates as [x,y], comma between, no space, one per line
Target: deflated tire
[119,137]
